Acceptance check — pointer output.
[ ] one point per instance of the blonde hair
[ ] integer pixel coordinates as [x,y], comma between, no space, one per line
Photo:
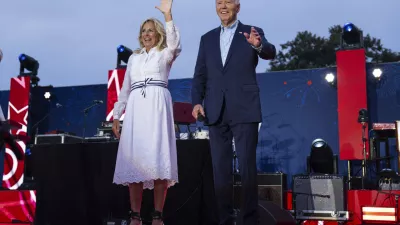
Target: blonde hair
[161,34]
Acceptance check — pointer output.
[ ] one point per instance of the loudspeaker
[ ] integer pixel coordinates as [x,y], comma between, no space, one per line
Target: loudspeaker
[319,193]
[272,214]
[271,187]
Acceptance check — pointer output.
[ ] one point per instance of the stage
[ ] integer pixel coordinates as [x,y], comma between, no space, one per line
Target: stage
[74,181]
[74,185]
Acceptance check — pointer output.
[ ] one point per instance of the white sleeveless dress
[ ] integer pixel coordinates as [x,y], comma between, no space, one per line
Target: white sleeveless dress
[147,147]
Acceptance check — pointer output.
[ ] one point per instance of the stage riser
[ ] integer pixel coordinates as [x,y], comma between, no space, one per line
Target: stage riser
[78,188]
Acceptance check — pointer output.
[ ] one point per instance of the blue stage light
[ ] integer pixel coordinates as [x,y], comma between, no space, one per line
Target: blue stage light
[121,48]
[29,63]
[123,55]
[352,37]
[348,27]
[22,57]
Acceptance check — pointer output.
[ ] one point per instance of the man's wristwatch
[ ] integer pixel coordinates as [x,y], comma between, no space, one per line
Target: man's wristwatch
[259,48]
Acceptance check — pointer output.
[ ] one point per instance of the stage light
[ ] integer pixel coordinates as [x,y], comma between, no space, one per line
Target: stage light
[363,116]
[377,73]
[379,214]
[47,95]
[123,55]
[330,78]
[321,157]
[28,63]
[348,27]
[352,37]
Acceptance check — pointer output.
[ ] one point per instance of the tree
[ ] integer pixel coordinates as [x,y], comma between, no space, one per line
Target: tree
[308,50]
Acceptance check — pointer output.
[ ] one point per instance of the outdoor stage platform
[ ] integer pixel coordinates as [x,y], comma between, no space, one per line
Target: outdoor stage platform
[74,186]
[18,207]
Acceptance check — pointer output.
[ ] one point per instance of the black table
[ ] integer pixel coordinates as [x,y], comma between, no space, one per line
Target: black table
[74,185]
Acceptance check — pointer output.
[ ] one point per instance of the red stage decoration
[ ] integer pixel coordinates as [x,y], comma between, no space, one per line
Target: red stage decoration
[17,205]
[352,96]
[379,214]
[115,81]
[357,199]
[18,106]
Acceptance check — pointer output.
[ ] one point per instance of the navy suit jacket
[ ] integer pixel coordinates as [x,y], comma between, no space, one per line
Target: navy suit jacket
[235,81]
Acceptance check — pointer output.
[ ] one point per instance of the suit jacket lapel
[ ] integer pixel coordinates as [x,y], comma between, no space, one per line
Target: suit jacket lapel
[234,44]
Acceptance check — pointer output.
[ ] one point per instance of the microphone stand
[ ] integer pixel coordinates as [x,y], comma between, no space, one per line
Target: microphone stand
[41,120]
[364,164]
[363,119]
[36,125]
[85,114]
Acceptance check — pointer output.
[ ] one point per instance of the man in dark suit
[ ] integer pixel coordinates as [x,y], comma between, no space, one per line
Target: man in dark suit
[225,79]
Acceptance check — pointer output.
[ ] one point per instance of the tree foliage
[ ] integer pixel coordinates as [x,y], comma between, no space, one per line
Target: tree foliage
[307,51]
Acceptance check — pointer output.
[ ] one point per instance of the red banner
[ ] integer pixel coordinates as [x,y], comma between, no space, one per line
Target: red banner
[115,81]
[352,96]
[18,106]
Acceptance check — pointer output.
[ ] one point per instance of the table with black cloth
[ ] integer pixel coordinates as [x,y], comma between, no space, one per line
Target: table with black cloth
[74,185]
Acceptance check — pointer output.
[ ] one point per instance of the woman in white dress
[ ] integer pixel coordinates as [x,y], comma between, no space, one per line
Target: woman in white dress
[147,150]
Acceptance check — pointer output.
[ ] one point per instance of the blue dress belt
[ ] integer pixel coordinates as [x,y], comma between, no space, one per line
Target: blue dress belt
[148,82]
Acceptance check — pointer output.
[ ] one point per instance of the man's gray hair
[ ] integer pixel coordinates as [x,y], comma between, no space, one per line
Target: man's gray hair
[236,1]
